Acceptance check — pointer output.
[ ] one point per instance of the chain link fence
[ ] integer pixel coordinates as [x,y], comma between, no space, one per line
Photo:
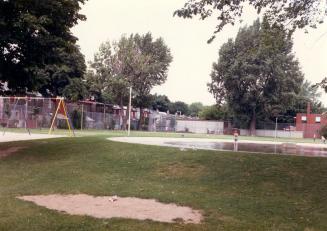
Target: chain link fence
[26,113]
[38,113]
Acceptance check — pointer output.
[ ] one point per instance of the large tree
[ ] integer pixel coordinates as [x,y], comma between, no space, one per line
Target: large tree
[136,61]
[160,103]
[179,107]
[289,13]
[323,84]
[103,84]
[214,112]
[195,108]
[38,52]
[257,74]
[308,94]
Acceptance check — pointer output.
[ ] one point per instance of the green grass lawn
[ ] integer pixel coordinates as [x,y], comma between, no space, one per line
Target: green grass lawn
[235,191]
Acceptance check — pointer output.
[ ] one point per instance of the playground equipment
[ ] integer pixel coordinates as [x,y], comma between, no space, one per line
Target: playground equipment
[33,113]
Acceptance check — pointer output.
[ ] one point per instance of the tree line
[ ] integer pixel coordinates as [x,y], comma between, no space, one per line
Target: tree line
[196,110]
[256,76]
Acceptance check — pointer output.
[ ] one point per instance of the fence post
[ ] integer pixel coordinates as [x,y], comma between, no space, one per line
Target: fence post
[104,116]
[82,116]
[276,128]
[26,109]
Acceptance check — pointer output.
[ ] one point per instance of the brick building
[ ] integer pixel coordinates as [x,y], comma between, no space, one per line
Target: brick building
[310,123]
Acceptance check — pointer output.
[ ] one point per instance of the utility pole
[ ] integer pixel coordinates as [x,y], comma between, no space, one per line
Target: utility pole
[276,127]
[82,116]
[104,116]
[26,111]
[129,111]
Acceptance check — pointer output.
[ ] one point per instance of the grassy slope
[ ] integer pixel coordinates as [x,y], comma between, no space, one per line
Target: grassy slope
[235,191]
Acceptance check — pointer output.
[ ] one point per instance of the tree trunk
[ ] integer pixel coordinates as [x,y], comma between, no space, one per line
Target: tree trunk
[122,117]
[253,124]
[141,120]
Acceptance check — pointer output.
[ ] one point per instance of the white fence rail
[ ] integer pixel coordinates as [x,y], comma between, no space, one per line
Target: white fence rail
[273,133]
[200,126]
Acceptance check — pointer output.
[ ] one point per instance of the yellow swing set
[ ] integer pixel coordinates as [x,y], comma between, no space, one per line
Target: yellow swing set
[62,109]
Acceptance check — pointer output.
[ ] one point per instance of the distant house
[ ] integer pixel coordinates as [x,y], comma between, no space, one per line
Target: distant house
[310,123]
[109,115]
[135,112]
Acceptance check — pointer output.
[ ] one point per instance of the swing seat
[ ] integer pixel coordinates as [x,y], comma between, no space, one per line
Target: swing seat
[61,117]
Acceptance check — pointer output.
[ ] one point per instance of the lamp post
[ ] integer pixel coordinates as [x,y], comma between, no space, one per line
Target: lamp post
[276,127]
[129,111]
[82,116]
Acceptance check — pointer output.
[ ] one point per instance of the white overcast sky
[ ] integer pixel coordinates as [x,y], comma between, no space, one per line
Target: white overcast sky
[193,57]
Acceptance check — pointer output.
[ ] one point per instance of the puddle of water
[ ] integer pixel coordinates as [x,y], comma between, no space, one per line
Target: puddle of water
[287,149]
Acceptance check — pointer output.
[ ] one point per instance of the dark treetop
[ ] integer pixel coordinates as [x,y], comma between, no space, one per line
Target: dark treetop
[291,14]
[37,49]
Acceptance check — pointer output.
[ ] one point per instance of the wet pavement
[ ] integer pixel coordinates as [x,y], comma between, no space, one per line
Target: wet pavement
[253,146]
[284,148]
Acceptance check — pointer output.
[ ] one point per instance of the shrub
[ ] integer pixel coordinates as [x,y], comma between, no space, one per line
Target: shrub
[323,131]
[76,117]
[62,124]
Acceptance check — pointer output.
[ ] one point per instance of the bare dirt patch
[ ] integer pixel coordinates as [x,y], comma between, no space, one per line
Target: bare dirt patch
[121,207]
[9,151]
[178,170]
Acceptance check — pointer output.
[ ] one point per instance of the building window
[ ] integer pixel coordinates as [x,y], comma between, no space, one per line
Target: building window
[304,119]
[318,119]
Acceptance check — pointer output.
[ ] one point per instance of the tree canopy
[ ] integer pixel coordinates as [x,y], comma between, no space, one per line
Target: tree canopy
[214,112]
[256,74]
[289,13]
[308,94]
[136,61]
[37,49]
[322,84]
[76,90]
[195,108]
[160,103]
[179,107]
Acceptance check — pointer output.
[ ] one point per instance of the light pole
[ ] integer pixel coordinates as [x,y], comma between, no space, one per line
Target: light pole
[276,127]
[82,116]
[129,111]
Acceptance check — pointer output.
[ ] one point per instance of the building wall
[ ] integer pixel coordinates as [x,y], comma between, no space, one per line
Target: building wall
[310,126]
[200,126]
